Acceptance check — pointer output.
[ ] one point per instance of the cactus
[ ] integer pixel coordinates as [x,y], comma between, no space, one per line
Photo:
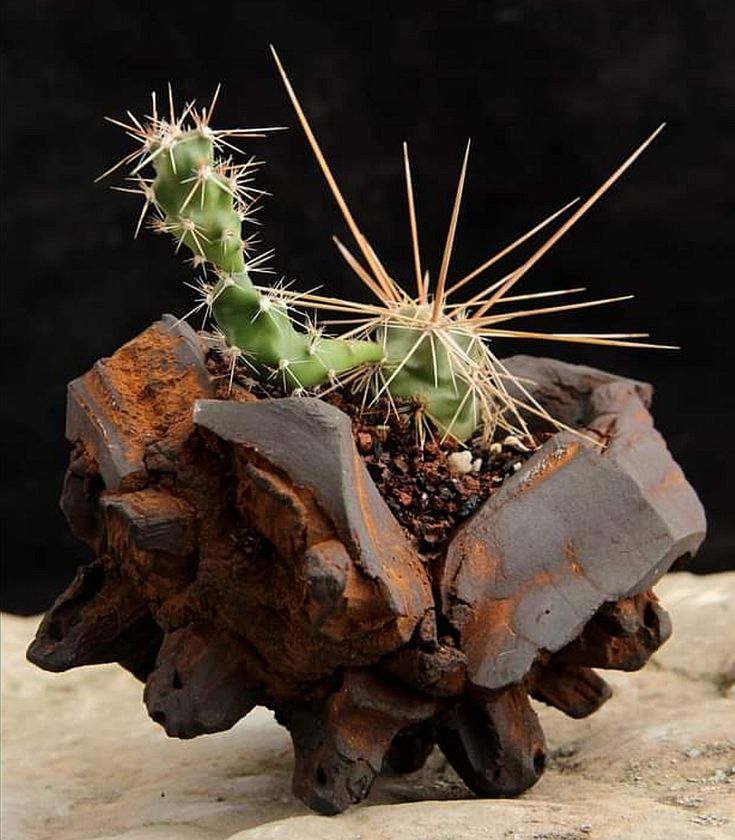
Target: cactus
[260,327]
[437,353]
[417,348]
[203,200]
[198,197]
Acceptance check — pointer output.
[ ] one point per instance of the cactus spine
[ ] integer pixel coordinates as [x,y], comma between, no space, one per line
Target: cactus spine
[203,201]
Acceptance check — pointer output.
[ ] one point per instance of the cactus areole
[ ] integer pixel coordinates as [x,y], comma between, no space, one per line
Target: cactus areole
[392,538]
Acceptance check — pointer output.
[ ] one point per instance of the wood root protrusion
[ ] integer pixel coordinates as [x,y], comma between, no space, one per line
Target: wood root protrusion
[341,742]
[98,619]
[200,682]
[496,745]
[573,689]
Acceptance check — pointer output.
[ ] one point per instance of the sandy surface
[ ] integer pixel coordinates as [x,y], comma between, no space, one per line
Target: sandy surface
[81,760]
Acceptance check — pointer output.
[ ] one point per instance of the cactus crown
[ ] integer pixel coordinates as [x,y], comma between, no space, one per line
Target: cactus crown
[414,348]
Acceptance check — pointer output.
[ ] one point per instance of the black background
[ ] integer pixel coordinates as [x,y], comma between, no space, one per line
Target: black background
[554,96]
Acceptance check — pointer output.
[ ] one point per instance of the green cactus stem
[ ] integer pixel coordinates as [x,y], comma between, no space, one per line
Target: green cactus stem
[430,366]
[202,201]
[198,198]
[260,326]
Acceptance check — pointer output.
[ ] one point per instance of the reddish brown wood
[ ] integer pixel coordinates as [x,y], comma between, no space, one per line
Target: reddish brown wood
[495,744]
[573,689]
[201,682]
[341,740]
[621,635]
[101,617]
[245,556]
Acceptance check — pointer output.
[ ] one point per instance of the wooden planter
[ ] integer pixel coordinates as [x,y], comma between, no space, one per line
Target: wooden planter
[244,556]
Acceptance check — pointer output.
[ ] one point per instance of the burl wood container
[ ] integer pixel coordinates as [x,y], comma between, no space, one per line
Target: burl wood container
[244,556]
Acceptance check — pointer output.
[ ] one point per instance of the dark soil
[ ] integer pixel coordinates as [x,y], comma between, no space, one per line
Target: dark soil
[427,494]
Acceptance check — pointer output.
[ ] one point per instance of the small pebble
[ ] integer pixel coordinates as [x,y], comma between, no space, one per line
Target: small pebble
[693,753]
[689,801]
[517,466]
[496,448]
[477,465]
[460,462]
[709,819]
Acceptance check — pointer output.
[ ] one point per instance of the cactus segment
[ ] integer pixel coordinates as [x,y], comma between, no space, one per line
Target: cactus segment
[197,197]
[430,366]
[202,207]
[260,326]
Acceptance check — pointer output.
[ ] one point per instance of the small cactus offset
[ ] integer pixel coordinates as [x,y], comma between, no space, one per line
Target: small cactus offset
[202,200]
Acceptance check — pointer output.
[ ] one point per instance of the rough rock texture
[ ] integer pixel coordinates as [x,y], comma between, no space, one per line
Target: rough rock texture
[80,759]
[245,557]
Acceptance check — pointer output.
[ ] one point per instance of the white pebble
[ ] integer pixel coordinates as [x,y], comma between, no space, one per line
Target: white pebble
[477,465]
[460,462]
[496,448]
